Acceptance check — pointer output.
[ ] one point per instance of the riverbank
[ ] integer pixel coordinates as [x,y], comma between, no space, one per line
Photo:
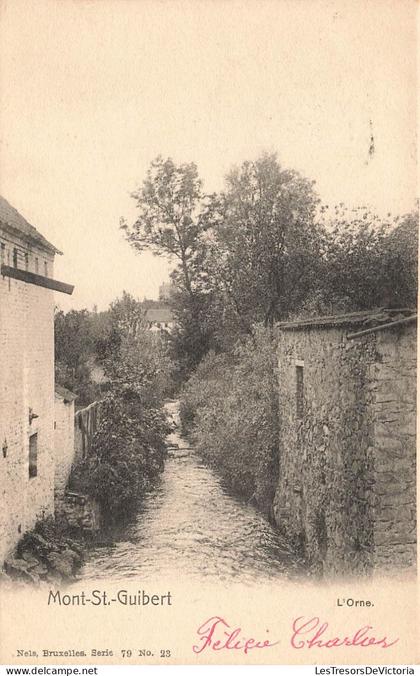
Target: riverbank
[51,553]
[187,524]
[190,527]
[102,494]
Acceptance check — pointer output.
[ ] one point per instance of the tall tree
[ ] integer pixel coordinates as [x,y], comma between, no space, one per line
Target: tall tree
[74,347]
[169,203]
[132,355]
[266,245]
[127,315]
[369,261]
[73,340]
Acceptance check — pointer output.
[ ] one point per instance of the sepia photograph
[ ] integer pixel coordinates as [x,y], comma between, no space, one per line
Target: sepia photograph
[208,330]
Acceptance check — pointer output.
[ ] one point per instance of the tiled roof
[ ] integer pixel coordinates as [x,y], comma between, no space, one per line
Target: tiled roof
[12,219]
[162,315]
[367,319]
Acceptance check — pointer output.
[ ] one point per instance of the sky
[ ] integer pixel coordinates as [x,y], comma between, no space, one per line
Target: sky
[92,90]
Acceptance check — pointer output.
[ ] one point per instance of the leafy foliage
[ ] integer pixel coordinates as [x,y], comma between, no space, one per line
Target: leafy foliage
[74,353]
[86,341]
[168,204]
[128,450]
[370,262]
[136,358]
[266,248]
[229,409]
[127,453]
[193,334]
[263,249]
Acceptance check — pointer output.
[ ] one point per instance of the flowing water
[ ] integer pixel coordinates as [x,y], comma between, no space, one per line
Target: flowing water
[189,527]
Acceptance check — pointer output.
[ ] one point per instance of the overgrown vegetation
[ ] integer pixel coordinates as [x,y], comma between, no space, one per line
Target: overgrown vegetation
[128,453]
[51,552]
[263,249]
[89,345]
[229,409]
[128,450]
[75,353]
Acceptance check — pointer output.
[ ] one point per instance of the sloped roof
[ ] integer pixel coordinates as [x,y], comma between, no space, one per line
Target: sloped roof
[367,318]
[11,219]
[162,315]
[64,393]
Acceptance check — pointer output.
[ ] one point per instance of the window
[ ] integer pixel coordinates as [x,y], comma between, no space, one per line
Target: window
[26,261]
[45,269]
[36,265]
[299,391]
[15,258]
[33,455]
[3,252]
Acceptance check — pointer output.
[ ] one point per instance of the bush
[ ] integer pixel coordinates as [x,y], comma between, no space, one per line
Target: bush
[129,449]
[229,409]
[127,453]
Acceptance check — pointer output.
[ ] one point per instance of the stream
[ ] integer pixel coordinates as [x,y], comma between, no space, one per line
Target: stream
[189,527]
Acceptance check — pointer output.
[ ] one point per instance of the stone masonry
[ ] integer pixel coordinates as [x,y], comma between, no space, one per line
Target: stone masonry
[346,493]
[393,378]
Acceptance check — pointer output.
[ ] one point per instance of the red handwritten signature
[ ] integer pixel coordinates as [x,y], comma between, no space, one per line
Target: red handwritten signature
[308,633]
[216,634]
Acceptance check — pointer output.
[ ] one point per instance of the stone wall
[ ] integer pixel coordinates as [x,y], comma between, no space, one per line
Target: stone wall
[81,512]
[394,491]
[86,422]
[343,441]
[26,382]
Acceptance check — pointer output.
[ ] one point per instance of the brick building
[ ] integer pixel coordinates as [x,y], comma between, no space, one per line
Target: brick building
[347,474]
[26,375]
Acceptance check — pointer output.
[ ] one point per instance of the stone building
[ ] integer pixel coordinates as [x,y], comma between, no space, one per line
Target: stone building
[347,455]
[26,376]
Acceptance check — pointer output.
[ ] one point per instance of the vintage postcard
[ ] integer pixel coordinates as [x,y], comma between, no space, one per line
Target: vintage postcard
[208,330]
